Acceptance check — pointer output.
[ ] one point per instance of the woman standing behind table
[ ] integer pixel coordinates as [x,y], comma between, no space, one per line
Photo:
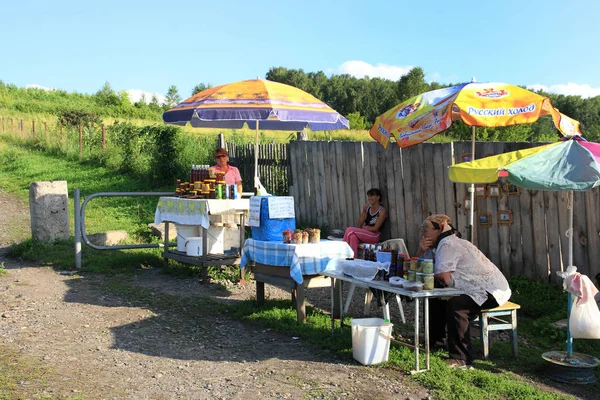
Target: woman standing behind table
[232,174]
[369,223]
[459,264]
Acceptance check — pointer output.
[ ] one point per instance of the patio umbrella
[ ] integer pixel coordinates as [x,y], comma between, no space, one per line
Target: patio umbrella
[256,102]
[572,164]
[476,104]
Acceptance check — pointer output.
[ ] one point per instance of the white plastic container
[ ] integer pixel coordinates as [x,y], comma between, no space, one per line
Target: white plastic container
[184,232]
[371,340]
[193,246]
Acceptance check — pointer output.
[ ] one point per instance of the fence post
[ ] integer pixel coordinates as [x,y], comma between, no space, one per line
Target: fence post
[80,142]
[45,127]
[21,129]
[77,214]
[33,127]
[12,126]
[221,141]
[103,138]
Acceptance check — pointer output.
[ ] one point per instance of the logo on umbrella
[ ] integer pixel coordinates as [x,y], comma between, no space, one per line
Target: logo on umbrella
[409,109]
[491,93]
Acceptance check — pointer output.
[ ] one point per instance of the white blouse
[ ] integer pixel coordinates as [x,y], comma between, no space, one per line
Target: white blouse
[472,271]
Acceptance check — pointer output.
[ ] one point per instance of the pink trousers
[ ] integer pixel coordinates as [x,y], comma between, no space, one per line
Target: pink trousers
[356,236]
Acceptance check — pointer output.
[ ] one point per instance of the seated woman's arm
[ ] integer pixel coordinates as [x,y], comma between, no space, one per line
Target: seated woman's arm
[363,217]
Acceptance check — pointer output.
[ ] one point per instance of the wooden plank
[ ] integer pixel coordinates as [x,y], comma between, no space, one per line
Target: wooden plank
[295,153]
[380,156]
[357,168]
[322,184]
[413,193]
[449,194]
[350,184]
[527,232]
[540,250]
[316,210]
[504,244]
[563,227]
[440,177]
[390,185]
[428,183]
[593,237]
[462,191]
[552,233]
[399,201]
[580,234]
[516,246]
[305,199]
[338,188]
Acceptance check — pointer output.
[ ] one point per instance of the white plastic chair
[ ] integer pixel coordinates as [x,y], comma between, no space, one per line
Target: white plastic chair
[393,244]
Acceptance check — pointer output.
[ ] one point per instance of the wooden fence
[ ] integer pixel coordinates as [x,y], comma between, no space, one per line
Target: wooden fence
[329,181]
[273,166]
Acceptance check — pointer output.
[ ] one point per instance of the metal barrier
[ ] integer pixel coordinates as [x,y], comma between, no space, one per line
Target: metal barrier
[80,222]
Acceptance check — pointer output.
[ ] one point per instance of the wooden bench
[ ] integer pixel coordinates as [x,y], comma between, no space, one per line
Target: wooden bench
[488,321]
[280,277]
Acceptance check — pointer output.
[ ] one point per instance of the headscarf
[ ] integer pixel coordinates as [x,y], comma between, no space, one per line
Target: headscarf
[440,222]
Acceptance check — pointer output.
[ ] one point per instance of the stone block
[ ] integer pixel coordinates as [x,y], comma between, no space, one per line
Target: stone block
[108,238]
[159,231]
[49,211]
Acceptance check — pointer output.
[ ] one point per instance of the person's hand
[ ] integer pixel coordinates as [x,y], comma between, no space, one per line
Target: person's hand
[424,244]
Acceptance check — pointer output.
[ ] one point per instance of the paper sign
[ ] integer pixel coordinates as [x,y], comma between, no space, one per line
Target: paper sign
[281,207]
[254,214]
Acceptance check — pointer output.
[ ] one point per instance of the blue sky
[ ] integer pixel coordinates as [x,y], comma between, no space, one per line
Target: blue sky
[150,45]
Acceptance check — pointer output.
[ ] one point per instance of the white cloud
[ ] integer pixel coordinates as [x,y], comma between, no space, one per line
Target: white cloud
[569,89]
[135,95]
[36,86]
[360,69]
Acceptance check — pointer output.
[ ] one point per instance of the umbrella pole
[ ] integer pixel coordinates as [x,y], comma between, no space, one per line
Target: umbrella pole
[256,156]
[569,299]
[472,210]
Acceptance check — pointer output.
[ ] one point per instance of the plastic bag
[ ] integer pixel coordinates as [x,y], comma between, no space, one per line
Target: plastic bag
[584,322]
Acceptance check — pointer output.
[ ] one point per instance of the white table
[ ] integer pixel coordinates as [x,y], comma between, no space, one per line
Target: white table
[196,212]
[425,295]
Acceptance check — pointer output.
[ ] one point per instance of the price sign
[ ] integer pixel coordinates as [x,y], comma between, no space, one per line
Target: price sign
[281,207]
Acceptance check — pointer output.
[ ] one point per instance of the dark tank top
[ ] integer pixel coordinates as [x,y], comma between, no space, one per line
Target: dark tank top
[371,219]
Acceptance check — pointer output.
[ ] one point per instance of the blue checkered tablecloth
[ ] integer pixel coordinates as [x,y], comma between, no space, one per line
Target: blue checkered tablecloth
[302,259]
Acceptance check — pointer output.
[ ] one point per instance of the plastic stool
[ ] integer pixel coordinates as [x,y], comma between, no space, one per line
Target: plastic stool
[488,321]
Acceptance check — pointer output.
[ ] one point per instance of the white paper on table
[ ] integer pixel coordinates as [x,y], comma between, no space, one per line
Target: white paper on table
[254,214]
[281,207]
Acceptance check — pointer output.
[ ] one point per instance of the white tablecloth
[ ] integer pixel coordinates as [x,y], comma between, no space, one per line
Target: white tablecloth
[195,211]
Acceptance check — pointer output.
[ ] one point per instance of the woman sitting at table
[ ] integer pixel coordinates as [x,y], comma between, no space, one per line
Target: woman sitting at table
[369,223]
[459,264]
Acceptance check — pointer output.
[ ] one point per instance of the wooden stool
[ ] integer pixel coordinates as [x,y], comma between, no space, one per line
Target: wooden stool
[488,321]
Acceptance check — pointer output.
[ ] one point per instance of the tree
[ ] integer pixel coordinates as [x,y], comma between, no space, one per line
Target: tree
[172,98]
[412,84]
[106,96]
[201,87]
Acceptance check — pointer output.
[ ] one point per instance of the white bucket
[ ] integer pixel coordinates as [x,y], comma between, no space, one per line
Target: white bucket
[193,246]
[371,340]
[184,232]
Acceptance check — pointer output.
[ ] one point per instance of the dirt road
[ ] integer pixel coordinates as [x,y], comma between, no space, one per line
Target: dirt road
[84,337]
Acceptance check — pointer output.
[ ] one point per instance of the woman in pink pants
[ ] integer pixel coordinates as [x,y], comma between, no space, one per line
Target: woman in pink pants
[370,221]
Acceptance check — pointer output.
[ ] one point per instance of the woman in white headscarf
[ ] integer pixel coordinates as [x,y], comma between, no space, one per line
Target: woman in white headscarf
[460,264]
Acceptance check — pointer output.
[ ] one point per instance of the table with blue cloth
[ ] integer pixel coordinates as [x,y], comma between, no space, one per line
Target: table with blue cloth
[292,266]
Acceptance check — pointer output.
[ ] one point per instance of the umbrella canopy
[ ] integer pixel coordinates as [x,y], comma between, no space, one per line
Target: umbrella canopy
[572,164]
[256,102]
[567,165]
[271,105]
[476,104]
